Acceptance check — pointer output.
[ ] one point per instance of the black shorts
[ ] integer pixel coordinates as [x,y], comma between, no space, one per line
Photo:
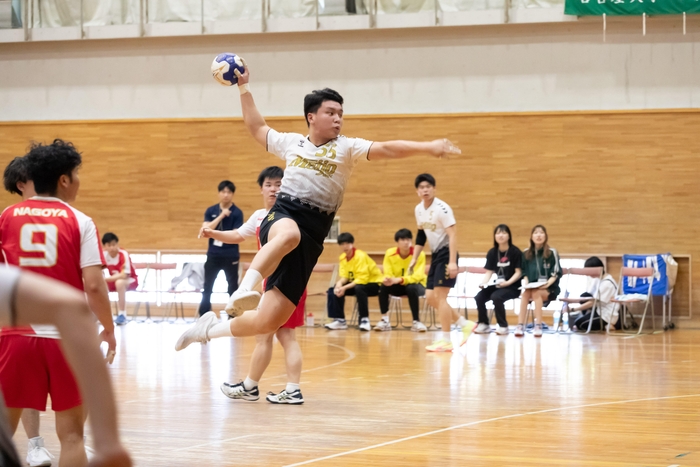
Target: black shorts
[439,275]
[293,273]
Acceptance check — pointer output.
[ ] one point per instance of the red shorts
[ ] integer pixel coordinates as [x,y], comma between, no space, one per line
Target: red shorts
[112,286]
[32,368]
[297,318]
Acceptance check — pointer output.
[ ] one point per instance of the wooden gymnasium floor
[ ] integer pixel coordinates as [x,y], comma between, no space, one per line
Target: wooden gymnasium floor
[378,399]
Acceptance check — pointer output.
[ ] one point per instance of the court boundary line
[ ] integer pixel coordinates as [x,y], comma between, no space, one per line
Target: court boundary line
[488,420]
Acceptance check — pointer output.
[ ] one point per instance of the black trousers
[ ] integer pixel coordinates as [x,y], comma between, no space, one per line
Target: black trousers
[498,297]
[582,321]
[413,291]
[336,305]
[211,271]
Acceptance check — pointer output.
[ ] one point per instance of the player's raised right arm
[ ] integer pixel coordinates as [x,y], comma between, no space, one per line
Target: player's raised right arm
[251,116]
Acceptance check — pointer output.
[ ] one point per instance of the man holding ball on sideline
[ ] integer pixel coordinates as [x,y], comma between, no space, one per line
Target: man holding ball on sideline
[318,168]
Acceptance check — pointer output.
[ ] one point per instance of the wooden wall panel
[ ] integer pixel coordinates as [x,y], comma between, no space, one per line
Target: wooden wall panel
[601,182]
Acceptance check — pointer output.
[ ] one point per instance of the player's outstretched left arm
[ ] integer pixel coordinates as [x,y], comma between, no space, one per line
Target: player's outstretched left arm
[399,149]
[254,122]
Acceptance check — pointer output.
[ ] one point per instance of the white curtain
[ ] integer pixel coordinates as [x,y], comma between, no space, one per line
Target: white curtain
[58,13]
[61,13]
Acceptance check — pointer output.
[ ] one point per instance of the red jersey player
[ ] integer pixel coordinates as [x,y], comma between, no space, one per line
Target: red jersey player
[65,307]
[122,274]
[16,182]
[46,235]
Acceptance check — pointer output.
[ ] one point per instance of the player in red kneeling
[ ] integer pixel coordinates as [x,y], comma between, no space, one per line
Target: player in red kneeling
[47,236]
[122,274]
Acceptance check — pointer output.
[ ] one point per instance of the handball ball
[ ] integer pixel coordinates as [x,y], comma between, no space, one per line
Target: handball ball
[222,68]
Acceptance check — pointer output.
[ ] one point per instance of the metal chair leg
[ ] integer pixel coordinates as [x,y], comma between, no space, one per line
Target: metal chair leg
[355,315]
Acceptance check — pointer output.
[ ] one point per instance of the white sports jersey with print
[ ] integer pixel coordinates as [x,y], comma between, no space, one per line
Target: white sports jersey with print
[317,175]
[434,221]
[251,228]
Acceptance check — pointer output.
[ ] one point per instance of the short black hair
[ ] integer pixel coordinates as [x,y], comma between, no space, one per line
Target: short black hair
[345,237]
[46,163]
[594,262]
[109,237]
[425,178]
[313,101]
[403,233]
[15,172]
[273,173]
[227,184]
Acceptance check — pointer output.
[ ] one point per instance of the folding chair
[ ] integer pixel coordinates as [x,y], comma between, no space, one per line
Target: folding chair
[396,308]
[325,268]
[624,300]
[149,267]
[428,313]
[142,289]
[594,272]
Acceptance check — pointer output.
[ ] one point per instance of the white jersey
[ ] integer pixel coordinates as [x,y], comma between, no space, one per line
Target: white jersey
[605,291]
[434,220]
[317,175]
[251,228]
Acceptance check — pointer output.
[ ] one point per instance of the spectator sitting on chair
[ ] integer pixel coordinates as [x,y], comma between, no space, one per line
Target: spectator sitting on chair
[122,275]
[222,216]
[541,271]
[358,276]
[604,290]
[505,260]
[398,282]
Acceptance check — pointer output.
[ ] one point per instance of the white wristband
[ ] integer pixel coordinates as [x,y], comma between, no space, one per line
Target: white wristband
[243,88]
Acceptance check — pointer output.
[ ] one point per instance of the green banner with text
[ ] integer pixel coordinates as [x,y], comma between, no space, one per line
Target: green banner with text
[631,7]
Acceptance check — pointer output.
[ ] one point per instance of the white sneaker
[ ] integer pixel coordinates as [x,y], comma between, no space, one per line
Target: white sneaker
[519,331]
[238,391]
[199,332]
[240,302]
[337,325]
[383,326]
[418,327]
[502,331]
[37,454]
[284,397]
[482,328]
[364,324]
[538,330]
